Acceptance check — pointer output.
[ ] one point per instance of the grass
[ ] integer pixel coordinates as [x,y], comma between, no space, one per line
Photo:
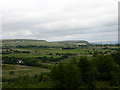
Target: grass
[20,70]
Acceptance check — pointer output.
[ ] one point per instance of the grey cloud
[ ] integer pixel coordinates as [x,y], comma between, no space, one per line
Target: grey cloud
[60,20]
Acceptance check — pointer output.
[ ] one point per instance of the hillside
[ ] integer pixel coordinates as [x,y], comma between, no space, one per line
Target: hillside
[15,42]
[74,42]
[39,64]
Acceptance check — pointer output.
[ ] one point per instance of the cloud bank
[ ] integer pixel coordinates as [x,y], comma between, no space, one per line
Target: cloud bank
[54,20]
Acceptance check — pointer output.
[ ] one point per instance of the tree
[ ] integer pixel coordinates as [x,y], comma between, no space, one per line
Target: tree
[66,76]
[104,65]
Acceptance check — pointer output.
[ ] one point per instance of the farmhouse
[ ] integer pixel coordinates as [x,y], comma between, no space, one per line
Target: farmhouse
[20,61]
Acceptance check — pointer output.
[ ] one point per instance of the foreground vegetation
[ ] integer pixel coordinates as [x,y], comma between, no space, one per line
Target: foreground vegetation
[99,72]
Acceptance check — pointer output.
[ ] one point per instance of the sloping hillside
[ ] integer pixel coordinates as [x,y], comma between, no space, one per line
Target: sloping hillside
[74,42]
[26,42]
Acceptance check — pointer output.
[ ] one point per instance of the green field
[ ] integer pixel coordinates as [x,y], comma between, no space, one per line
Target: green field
[23,58]
[20,70]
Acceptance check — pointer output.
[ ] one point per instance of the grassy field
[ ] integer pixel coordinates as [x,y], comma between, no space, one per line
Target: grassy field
[20,70]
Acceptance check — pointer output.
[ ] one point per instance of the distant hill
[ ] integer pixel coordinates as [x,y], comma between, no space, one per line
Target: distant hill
[74,42]
[15,42]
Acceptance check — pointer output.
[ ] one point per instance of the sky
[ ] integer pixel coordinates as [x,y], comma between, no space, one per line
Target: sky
[56,20]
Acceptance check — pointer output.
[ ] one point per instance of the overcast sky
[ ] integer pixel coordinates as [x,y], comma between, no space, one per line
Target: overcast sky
[53,20]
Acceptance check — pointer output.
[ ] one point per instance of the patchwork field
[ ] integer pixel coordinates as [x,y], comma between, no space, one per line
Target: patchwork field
[35,60]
